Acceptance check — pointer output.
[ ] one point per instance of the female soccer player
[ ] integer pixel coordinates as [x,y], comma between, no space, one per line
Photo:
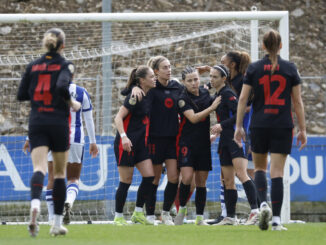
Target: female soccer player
[193,142]
[131,145]
[274,82]
[76,151]
[232,157]
[162,135]
[45,83]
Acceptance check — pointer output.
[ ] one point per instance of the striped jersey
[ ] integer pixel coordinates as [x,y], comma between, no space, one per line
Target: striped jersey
[76,123]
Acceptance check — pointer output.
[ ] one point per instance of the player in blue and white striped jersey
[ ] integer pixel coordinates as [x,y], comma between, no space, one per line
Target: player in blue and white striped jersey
[76,151]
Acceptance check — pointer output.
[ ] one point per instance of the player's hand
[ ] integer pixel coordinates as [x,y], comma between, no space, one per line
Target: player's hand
[248,108]
[126,144]
[213,137]
[302,137]
[75,105]
[215,103]
[137,92]
[239,135]
[203,69]
[93,150]
[216,129]
[26,147]
[206,87]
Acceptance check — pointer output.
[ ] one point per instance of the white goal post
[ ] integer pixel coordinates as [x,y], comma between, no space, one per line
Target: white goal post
[255,17]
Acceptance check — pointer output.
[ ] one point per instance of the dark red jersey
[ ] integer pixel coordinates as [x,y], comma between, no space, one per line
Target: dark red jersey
[272,93]
[136,123]
[195,135]
[46,84]
[226,112]
[164,112]
[237,83]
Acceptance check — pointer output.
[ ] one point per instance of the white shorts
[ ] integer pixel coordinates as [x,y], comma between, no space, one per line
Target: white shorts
[75,154]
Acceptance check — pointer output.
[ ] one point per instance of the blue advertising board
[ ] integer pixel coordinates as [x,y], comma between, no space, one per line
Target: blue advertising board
[100,178]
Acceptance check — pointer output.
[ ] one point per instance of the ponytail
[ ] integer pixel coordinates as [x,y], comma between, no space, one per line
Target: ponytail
[272,41]
[241,59]
[136,74]
[53,39]
[244,62]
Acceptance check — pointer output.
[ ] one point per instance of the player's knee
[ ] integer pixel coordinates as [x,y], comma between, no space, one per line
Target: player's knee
[173,178]
[126,179]
[242,175]
[229,182]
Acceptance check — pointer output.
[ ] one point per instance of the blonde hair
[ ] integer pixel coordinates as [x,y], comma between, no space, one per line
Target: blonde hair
[272,41]
[53,39]
[154,62]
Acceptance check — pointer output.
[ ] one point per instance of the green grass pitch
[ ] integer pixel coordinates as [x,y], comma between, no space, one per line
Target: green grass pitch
[308,234]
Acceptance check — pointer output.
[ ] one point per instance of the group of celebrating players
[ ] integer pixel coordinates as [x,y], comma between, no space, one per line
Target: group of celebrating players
[165,121]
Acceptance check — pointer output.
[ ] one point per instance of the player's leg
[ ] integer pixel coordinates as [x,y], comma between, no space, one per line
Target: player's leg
[59,146]
[281,144]
[125,177]
[240,166]
[39,159]
[230,195]
[170,191]
[151,201]
[201,193]
[277,172]
[186,179]
[73,175]
[49,190]
[74,166]
[59,191]
[145,190]
[251,173]
[260,161]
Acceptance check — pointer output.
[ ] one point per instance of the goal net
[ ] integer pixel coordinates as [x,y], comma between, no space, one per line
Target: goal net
[104,49]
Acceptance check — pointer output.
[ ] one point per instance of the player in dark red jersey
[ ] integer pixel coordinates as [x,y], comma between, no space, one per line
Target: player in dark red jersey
[232,157]
[237,62]
[162,135]
[45,83]
[131,145]
[274,82]
[193,142]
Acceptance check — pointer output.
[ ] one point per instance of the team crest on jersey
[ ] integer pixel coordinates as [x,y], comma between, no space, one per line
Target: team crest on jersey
[132,101]
[181,103]
[71,68]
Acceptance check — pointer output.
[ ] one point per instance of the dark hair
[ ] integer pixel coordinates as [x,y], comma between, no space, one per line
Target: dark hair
[154,62]
[241,59]
[53,39]
[137,73]
[272,41]
[186,71]
[224,71]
